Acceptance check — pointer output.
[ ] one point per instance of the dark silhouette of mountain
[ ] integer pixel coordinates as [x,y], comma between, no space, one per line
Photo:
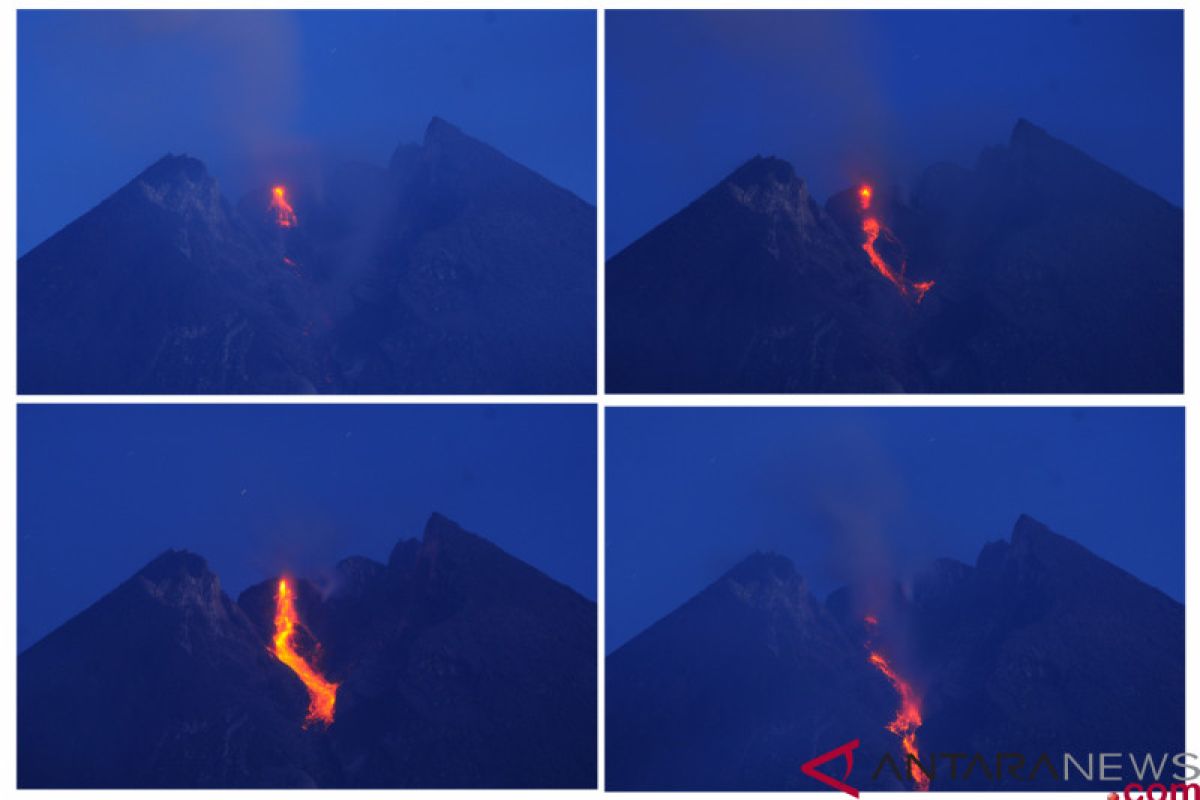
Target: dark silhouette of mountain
[452,270]
[1052,274]
[458,665]
[1032,646]
[736,688]
[1026,652]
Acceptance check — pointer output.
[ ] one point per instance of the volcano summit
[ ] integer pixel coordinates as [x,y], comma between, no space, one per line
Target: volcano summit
[1040,270]
[452,270]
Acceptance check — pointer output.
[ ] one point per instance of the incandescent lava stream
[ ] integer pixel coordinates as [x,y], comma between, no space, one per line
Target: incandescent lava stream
[874,230]
[908,715]
[285,215]
[322,693]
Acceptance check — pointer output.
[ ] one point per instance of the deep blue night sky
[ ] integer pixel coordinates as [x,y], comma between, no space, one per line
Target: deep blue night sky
[690,492]
[258,489]
[102,95]
[850,95]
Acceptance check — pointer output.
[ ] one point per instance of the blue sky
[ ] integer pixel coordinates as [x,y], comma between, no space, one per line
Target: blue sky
[691,492]
[102,95]
[839,94]
[259,489]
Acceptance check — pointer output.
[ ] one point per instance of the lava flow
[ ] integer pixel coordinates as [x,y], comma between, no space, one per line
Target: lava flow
[285,216]
[321,693]
[873,229]
[908,716]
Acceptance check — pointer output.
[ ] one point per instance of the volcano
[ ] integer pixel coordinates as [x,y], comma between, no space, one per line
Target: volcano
[1053,273]
[454,665]
[451,270]
[1026,651]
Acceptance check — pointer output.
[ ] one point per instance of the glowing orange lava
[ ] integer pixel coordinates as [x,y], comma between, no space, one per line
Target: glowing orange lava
[285,216]
[908,716]
[864,197]
[873,229]
[920,288]
[321,693]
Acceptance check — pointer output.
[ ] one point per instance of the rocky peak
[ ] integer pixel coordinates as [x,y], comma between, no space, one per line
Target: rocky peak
[760,567]
[174,565]
[1025,134]
[442,539]
[1031,543]
[449,550]
[175,169]
[441,528]
[1061,166]
[181,184]
[1028,532]
[764,171]
[180,578]
[768,581]
[450,151]
[440,131]
[439,137]
[770,186]
[187,198]
[445,538]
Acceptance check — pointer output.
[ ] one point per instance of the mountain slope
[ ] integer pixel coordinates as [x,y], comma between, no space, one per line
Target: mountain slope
[162,683]
[453,270]
[751,288]
[1057,273]
[1033,646]
[737,687]
[458,665]
[481,674]
[1052,274]
[484,279]
[159,288]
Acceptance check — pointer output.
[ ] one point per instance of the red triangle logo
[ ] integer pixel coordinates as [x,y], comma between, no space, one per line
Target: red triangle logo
[809,768]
